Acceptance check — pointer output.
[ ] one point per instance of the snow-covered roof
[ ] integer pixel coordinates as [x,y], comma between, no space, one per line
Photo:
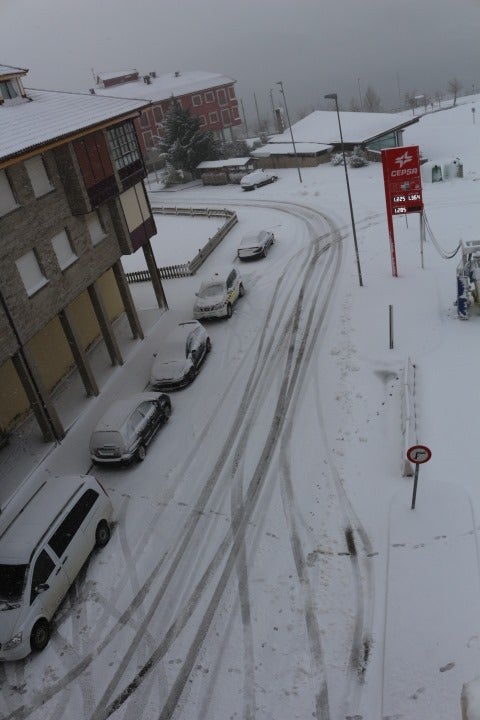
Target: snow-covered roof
[228,162]
[321,127]
[10,70]
[274,148]
[52,115]
[163,87]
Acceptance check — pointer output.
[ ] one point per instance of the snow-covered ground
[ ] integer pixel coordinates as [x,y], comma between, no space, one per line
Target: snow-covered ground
[265,563]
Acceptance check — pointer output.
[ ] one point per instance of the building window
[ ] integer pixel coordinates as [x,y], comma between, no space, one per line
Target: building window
[235,113]
[37,173]
[95,228]
[196,100]
[8,90]
[124,146]
[203,120]
[209,97]
[7,198]
[144,120]
[231,92]
[31,272]
[63,250]
[222,97]
[213,117]
[148,139]
[226,120]
[158,114]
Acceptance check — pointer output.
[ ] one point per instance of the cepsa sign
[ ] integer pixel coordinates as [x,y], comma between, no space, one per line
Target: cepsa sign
[403,183]
[403,187]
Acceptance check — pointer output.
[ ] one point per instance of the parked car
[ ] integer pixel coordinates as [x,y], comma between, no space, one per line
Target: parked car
[256,179]
[256,245]
[180,357]
[128,426]
[217,295]
[44,542]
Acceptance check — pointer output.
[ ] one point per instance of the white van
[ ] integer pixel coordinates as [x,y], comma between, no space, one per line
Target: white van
[44,542]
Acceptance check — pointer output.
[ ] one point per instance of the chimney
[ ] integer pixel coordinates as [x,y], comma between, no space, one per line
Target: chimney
[177,73]
[146,79]
[92,91]
[153,74]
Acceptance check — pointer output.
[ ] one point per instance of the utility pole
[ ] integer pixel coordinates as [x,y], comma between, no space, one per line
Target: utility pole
[258,114]
[244,118]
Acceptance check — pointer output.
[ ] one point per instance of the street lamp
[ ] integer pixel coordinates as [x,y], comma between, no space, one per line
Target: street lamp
[279,82]
[333,96]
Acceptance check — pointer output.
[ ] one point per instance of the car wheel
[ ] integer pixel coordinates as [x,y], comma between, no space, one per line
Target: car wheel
[208,345]
[229,310]
[141,453]
[40,635]
[241,290]
[102,534]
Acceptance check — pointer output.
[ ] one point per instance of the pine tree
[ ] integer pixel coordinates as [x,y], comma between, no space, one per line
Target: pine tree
[184,144]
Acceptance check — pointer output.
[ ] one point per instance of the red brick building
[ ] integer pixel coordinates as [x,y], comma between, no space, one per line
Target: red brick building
[209,96]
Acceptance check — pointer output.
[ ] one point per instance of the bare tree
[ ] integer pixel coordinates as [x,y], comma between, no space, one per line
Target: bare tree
[454,87]
[371,101]
[438,98]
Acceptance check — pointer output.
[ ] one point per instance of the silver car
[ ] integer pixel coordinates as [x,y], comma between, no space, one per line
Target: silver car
[256,179]
[127,428]
[180,356]
[256,245]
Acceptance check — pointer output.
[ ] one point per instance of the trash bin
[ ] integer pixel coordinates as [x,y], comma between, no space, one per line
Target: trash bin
[437,174]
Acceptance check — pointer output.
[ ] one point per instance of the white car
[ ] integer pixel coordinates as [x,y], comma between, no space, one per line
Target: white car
[255,245]
[180,356]
[218,294]
[256,179]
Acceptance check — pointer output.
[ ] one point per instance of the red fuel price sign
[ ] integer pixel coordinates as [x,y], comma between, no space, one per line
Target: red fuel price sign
[403,187]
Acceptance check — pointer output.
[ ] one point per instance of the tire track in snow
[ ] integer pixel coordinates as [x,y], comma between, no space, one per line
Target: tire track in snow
[85,661]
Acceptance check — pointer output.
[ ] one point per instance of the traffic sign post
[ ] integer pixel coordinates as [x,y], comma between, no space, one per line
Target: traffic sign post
[417,455]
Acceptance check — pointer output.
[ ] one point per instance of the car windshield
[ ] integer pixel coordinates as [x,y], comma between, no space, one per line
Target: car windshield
[12,581]
[211,290]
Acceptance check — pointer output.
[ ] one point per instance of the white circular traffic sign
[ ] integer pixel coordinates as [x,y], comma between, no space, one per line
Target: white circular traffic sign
[419,454]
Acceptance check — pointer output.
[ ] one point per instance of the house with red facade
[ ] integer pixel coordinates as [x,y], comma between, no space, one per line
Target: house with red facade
[208,96]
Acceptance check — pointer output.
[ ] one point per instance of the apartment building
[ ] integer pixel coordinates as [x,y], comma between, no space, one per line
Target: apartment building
[72,202]
[208,96]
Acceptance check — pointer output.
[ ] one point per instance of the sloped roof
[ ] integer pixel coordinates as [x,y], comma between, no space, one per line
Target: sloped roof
[10,70]
[51,115]
[321,127]
[163,87]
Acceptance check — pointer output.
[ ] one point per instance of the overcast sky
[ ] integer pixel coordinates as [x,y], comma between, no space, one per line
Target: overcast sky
[313,46]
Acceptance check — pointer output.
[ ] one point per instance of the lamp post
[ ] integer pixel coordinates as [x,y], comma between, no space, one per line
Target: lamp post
[333,96]
[279,82]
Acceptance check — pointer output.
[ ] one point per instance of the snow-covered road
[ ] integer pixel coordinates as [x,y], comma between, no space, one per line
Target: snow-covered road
[207,598]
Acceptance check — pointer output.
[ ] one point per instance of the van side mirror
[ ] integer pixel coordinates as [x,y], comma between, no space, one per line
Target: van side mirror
[41,587]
